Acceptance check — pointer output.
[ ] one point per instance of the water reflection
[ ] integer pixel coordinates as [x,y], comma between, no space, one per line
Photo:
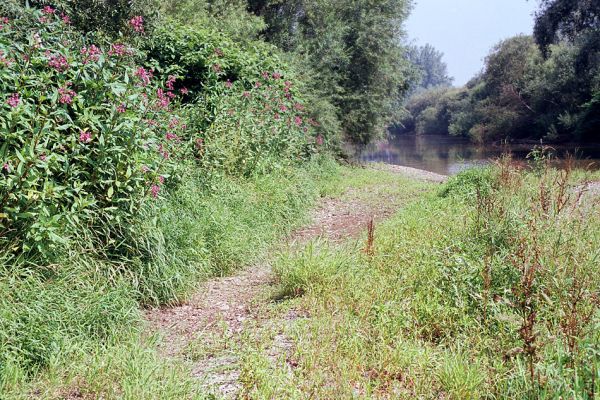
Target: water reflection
[450,155]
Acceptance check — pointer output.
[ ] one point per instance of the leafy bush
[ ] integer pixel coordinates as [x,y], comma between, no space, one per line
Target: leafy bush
[86,135]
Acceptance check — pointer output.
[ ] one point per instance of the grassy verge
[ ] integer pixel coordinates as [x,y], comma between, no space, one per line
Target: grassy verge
[487,289]
[74,328]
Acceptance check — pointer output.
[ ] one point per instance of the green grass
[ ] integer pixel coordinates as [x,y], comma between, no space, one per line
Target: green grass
[76,325]
[436,311]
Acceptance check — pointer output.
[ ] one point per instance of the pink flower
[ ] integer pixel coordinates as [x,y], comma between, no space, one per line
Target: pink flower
[118,49]
[154,190]
[91,53]
[66,94]
[277,116]
[3,22]
[173,123]
[65,18]
[283,108]
[121,108]
[319,140]
[170,82]
[13,100]
[145,168]
[85,136]
[6,166]
[228,84]
[43,157]
[265,75]
[276,75]
[161,179]
[171,136]
[257,84]
[297,120]
[144,75]
[137,23]
[58,62]
[246,94]
[163,99]
[184,90]
[48,10]
[298,107]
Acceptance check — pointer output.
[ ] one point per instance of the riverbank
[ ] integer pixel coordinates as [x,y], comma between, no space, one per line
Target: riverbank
[434,302]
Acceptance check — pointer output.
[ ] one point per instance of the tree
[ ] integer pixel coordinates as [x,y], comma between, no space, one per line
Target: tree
[353,52]
[429,62]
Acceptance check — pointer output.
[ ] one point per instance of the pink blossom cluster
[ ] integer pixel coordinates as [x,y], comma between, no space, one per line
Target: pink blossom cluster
[137,23]
[298,120]
[58,62]
[91,53]
[3,22]
[228,84]
[154,190]
[163,99]
[121,108]
[6,167]
[171,82]
[184,90]
[144,75]
[276,75]
[118,49]
[65,18]
[171,136]
[14,100]
[85,136]
[48,10]
[66,94]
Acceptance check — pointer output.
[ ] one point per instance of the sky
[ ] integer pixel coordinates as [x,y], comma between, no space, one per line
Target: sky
[466,30]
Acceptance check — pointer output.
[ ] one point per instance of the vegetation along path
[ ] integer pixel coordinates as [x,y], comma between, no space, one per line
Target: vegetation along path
[204,329]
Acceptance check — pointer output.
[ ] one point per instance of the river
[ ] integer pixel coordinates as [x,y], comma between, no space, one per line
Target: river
[449,155]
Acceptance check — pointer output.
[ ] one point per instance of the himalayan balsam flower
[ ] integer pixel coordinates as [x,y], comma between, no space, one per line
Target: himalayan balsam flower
[297,120]
[144,75]
[85,137]
[246,94]
[257,84]
[228,84]
[13,100]
[319,140]
[118,49]
[283,108]
[121,108]
[154,190]
[58,62]
[265,75]
[163,99]
[137,23]
[145,168]
[184,90]
[91,53]
[6,167]
[65,18]
[161,179]
[3,22]
[42,157]
[4,60]
[173,123]
[170,82]
[48,10]
[276,75]
[171,136]
[66,94]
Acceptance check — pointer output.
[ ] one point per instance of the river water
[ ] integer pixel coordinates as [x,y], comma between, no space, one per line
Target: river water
[449,155]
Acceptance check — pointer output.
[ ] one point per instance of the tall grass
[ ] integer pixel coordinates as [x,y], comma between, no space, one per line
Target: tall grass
[82,314]
[488,289]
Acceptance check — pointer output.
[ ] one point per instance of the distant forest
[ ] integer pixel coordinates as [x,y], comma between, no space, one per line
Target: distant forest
[540,86]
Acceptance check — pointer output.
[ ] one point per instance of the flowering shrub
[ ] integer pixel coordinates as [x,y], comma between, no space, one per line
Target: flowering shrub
[247,116]
[86,136]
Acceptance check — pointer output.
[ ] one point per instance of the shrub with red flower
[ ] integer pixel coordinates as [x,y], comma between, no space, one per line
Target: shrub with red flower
[137,23]
[66,94]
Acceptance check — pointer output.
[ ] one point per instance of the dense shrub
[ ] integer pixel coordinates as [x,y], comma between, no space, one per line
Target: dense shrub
[86,135]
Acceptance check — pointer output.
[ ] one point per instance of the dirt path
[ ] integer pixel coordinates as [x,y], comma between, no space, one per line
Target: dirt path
[223,306]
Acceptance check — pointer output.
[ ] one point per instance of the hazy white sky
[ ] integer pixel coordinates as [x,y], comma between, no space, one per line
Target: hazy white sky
[465,30]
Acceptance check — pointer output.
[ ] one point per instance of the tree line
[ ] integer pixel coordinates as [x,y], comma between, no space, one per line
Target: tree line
[540,86]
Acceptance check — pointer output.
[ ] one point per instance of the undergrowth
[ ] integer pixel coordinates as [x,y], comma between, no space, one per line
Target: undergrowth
[487,289]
